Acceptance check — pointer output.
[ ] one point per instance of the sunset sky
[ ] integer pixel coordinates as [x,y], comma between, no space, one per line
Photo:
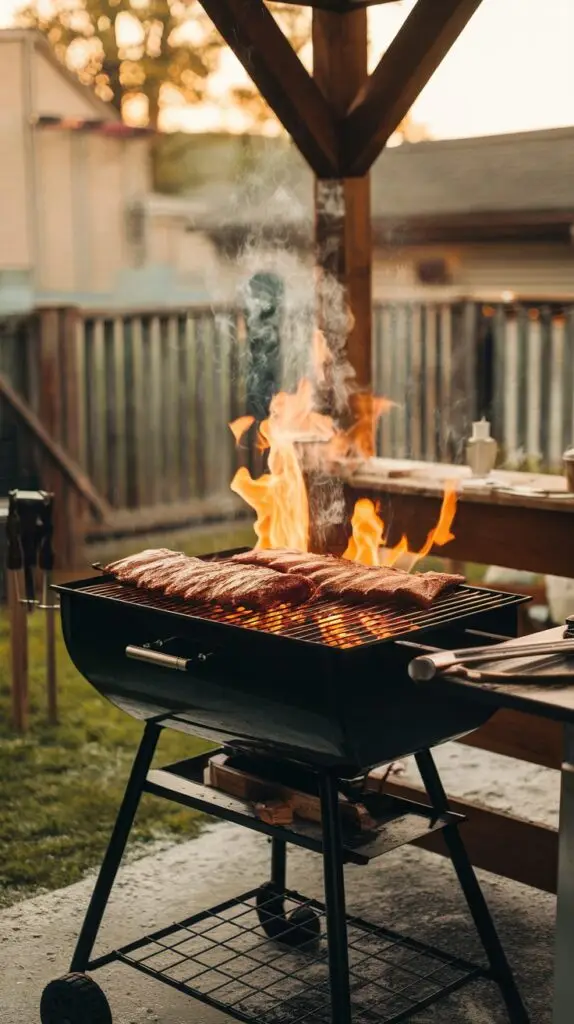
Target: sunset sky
[511,70]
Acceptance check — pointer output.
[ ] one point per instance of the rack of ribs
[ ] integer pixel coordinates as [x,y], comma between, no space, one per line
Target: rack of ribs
[348,581]
[221,582]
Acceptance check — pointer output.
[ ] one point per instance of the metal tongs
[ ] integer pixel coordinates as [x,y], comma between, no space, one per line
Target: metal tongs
[428,665]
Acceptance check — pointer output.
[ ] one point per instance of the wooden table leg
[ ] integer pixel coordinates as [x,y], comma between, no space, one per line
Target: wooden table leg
[564,955]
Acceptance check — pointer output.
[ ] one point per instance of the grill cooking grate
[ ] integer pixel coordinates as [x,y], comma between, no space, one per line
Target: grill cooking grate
[223,958]
[329,623]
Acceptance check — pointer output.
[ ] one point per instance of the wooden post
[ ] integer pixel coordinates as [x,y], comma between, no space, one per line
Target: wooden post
[74,511]
[58,411]
[342,260]
[19,653]
[342,206]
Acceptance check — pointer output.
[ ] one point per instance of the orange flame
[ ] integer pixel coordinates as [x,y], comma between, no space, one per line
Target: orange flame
[368,529]
[279,497]
[367,535]
[240,426]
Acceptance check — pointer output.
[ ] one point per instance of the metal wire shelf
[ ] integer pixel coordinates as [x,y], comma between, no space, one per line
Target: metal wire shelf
[223,958]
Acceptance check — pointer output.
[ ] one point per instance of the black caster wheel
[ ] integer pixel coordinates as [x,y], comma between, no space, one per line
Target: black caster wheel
[302,927]
[74,999]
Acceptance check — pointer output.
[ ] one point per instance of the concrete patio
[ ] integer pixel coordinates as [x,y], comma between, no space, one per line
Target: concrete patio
[412,891]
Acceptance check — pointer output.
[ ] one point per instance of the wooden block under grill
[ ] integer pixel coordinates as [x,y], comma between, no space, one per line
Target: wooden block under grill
[221,775]
[275,812]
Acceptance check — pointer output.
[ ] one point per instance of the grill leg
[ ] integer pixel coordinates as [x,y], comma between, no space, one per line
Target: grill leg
[477,905]
[279,864]
[335,902]
[115,850]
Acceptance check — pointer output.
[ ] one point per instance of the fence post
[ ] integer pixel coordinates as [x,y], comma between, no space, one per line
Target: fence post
[58,410]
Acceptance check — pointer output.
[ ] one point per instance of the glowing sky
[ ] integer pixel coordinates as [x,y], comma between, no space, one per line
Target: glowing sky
[511,70]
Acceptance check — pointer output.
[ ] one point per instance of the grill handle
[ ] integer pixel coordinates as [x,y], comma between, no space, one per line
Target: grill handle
[162,660]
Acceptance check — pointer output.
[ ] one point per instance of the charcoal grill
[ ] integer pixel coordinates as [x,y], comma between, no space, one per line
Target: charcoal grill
[312,697]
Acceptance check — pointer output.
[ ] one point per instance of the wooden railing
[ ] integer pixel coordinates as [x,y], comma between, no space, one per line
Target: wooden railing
[137,403]
[157,392]
[447,364]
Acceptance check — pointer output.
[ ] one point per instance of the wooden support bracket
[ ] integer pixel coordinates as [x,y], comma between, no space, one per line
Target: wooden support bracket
[402,73]
[340,142]
[270,60]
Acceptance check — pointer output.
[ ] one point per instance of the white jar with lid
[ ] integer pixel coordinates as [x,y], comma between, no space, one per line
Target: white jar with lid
[481,449]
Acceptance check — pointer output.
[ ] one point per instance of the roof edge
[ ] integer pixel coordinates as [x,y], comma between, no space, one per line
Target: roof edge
[40,43]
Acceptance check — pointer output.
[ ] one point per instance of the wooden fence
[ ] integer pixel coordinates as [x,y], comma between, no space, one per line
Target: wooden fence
[156,395]
[448,364]
[140,401]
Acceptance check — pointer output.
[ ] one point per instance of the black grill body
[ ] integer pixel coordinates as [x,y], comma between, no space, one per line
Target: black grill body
[273,694]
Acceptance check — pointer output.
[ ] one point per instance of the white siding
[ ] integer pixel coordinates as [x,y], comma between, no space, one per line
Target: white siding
[57,232]
[532,270]
[106,209]
[15,238]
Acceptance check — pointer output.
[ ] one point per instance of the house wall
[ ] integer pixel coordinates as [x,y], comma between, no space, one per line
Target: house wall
[482,271]
[16,242]
[530,270]
[85,184]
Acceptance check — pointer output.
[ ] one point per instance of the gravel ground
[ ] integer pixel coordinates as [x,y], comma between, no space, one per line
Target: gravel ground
[408,889]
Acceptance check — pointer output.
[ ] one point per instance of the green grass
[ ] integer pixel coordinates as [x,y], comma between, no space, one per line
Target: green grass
[61,786]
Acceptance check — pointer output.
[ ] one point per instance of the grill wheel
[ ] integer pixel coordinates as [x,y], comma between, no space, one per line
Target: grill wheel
[301,928]
[74,999]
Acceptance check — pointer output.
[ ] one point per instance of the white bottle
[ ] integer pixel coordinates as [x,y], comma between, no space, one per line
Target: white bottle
[481,449]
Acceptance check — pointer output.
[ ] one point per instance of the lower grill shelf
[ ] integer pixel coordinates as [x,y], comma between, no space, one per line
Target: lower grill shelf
[223,958]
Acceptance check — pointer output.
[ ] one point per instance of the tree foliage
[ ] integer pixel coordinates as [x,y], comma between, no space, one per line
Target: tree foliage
[124,49]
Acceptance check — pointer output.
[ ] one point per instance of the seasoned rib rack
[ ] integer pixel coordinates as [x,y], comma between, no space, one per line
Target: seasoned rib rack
[332,623]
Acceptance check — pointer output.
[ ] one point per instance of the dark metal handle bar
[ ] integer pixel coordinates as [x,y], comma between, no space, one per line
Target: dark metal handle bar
[425,668]
[155,657]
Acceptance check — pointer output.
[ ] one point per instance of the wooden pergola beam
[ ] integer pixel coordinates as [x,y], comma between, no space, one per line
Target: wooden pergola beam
[269,59]
[402,73]
[342,206]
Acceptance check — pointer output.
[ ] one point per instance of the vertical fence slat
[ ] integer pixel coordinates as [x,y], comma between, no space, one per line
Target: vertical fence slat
[430,386]
[511,390]
[155,421]
[500,357]
[191,442]
[209,424]
[82,425]
[227,446]
[445,408]
[120,481]
[556,391]
[568,428]
[139,416]
[386,384]
[171,411]
[531,442]
[400,340]
[97,379]
[415,384]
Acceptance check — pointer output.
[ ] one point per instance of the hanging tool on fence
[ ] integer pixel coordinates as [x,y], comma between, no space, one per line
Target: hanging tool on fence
[30,563]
